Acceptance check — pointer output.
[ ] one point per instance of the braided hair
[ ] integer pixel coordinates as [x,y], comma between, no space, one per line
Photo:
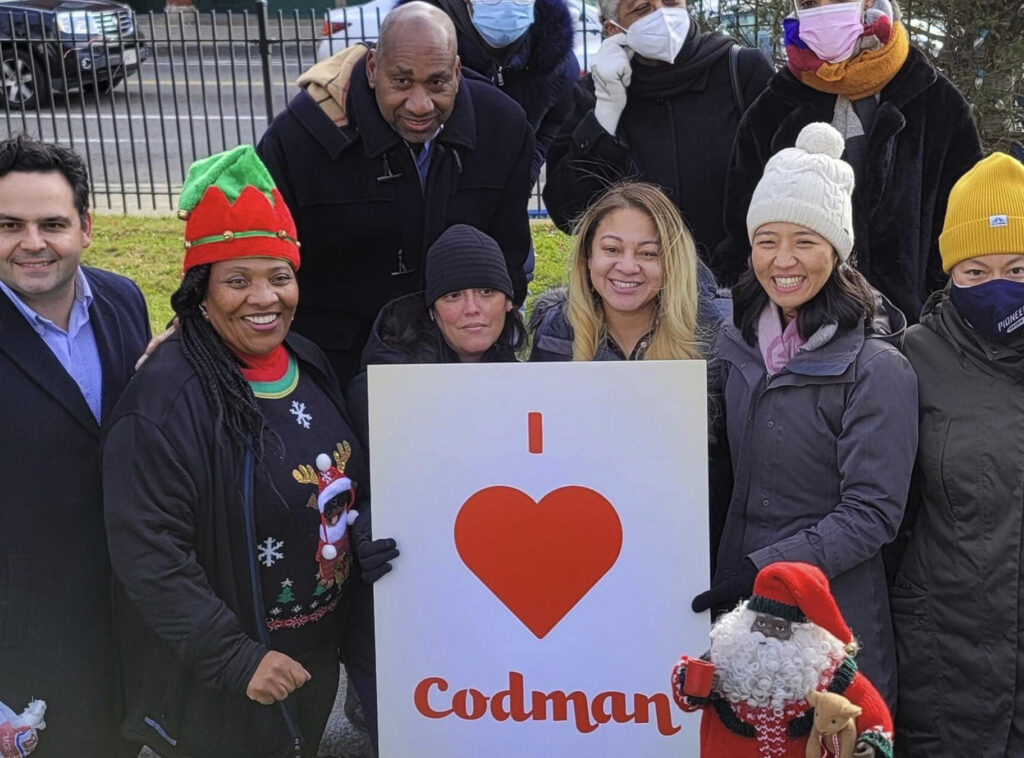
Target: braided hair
[225,388]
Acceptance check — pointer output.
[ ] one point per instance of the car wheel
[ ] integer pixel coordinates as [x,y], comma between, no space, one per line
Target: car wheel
[22,79]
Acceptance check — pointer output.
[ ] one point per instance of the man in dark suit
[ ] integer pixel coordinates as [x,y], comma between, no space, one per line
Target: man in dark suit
[69,336]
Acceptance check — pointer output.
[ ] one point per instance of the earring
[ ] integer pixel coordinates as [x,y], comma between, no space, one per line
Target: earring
[202,310]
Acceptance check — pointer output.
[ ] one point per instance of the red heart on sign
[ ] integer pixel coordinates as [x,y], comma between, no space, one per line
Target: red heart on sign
[539,559]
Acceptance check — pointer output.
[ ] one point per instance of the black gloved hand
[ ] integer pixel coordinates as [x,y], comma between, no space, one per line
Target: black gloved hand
[732,587]
[374,556]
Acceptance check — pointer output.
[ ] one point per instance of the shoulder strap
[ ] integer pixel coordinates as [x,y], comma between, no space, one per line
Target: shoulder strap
[734,78]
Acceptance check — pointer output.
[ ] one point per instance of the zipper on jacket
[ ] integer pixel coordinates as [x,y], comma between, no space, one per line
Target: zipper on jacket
[501,77]
[257,592]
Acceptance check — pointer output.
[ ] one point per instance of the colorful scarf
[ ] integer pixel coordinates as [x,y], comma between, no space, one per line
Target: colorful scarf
[777,345]
[862,75]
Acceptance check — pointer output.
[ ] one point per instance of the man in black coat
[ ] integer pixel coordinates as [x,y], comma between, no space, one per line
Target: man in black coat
[665,116]
[69,338]
[378,166]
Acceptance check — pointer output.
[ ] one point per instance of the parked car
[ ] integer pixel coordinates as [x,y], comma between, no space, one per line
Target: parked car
[59,46]
[360,23]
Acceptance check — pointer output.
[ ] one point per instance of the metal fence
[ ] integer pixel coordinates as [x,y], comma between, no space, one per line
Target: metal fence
[141,96]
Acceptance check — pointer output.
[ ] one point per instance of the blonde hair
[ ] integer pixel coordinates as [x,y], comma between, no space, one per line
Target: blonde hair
[675,333]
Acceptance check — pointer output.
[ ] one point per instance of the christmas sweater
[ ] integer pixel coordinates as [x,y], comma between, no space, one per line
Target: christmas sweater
[738,730]
[302,587]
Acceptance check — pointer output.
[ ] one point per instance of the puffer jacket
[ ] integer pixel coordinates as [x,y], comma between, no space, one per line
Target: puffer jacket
[822,455]
[957,599]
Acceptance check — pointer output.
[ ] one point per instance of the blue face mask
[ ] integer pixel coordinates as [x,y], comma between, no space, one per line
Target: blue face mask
[502,23]
[995,309]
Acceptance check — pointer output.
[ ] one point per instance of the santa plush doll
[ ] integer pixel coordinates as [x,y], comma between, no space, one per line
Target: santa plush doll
[786,641]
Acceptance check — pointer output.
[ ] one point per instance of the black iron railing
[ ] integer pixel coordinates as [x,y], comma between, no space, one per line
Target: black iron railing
[142,96]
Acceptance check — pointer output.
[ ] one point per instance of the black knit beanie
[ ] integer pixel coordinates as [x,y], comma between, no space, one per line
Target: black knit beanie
[465,258]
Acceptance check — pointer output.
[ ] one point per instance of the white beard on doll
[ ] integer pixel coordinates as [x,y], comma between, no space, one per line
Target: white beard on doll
[765,671]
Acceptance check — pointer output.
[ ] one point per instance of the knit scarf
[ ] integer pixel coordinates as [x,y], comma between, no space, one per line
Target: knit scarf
[327,82]
[861,76]
[777,345]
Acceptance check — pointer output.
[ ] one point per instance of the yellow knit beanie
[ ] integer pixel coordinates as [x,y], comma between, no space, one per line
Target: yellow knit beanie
[985,215]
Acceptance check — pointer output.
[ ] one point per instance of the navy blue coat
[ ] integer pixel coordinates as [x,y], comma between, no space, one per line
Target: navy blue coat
[55,609]
[363,239]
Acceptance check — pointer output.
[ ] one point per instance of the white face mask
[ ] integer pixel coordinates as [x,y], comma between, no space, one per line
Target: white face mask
[659,36]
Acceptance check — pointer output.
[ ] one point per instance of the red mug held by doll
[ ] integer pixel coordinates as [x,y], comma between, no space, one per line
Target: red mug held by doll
[699,676]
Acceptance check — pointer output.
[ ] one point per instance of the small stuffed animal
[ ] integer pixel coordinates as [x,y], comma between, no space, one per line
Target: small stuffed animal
[835,730]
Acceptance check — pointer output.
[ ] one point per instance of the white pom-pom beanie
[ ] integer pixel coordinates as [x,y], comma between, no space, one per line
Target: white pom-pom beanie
[808,185]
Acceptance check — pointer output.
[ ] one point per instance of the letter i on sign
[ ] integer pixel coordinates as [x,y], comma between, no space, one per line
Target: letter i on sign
[535,425]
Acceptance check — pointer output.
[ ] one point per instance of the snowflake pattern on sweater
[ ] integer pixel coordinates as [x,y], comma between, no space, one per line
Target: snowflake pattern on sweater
[301,588]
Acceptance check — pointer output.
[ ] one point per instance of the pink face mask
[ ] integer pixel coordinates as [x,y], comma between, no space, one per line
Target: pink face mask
[832,31]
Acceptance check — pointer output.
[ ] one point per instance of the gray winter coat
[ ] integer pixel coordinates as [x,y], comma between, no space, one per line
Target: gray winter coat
[957,599]
[822,457]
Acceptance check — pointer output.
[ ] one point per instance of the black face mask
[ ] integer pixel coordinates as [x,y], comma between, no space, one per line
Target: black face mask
[995,309]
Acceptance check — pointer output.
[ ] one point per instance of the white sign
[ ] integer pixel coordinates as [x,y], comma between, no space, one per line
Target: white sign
[552,520]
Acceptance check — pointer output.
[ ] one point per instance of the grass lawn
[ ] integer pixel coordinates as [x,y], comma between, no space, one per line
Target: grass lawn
[149,250]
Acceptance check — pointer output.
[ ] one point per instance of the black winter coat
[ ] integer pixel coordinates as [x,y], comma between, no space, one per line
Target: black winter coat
[822,455]
[923,140]
[364,220]
[539,73]
[676,131]
[181,527]
[958,595]
[56,634]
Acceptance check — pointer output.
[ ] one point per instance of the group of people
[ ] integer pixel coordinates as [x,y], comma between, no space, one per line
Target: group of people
[789,228]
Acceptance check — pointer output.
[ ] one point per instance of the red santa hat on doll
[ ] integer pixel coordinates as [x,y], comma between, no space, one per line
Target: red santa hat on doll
[331,483]
[800,593]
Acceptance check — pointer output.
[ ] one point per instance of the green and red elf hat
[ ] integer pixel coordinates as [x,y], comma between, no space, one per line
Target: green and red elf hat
[232,209]
[800,593]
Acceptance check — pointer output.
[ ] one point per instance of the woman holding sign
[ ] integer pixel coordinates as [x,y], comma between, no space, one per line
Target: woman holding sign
[236,495]
[820,406]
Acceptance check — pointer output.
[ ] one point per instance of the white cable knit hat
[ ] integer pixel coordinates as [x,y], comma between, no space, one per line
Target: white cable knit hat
[808,185]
